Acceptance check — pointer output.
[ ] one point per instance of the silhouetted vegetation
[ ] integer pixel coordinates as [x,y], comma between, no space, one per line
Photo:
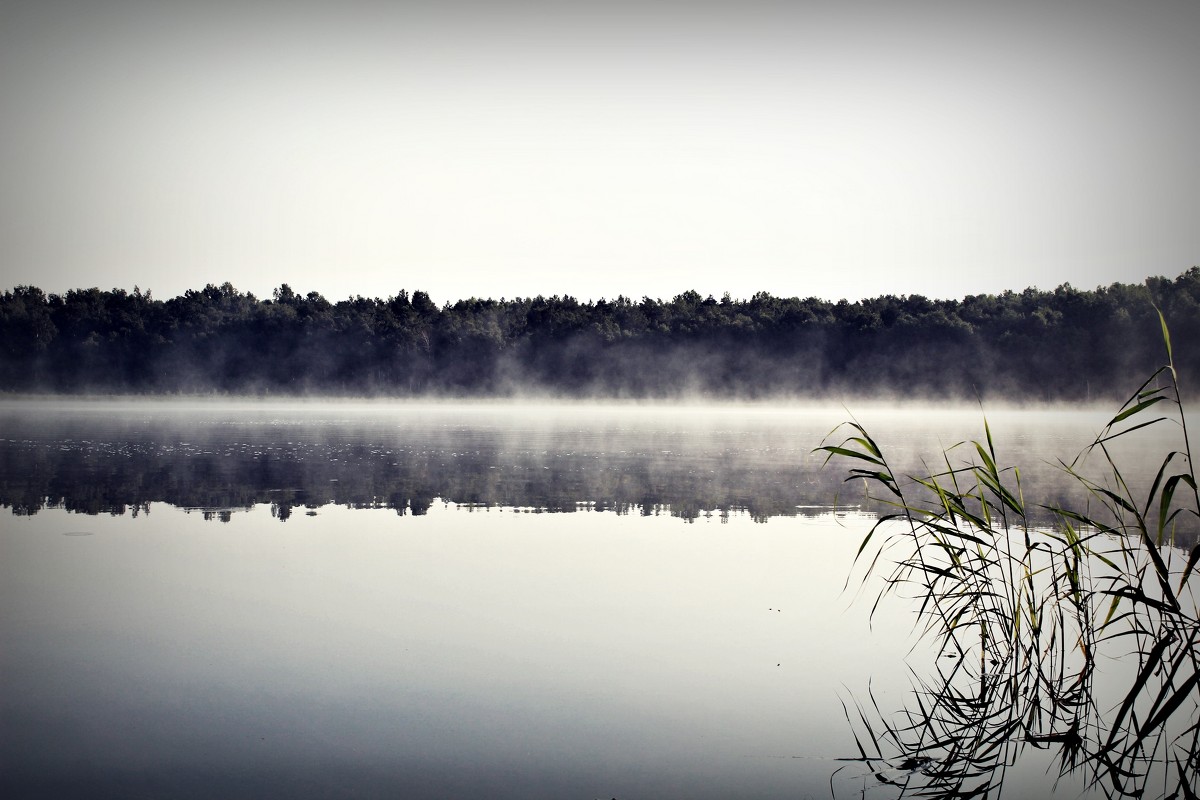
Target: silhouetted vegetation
[114,460]
[218,339]
[74,466]
[1026,612]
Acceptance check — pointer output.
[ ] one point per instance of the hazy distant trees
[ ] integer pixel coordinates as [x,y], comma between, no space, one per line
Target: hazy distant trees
[1038,345]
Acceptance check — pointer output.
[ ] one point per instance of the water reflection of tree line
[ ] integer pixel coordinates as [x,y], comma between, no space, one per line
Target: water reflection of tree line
[94,479]
[215,475]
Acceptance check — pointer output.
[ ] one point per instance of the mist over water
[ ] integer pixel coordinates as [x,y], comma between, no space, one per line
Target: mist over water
[684,460]
[295,599]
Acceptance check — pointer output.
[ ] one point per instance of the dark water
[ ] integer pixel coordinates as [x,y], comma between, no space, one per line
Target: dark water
[456,601]
[688,462]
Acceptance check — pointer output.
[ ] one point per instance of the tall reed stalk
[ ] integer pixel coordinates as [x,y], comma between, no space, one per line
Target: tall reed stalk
[1025,608]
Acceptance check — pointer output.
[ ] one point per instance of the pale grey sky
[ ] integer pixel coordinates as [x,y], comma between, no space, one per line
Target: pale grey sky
[841,149]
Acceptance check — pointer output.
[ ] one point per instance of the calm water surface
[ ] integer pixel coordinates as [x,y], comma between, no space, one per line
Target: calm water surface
[252,600]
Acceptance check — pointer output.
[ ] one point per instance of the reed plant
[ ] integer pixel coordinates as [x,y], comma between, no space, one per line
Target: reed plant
[1021,610]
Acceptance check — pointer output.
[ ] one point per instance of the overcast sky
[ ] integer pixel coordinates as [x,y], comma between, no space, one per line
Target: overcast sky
[501,148]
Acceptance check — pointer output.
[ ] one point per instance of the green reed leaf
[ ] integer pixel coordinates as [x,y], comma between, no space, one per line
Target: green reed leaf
[1164,505]
[848,453]
[1129,412]
[1166,335]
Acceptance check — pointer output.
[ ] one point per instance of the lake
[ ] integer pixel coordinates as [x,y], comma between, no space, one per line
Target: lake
[264,599]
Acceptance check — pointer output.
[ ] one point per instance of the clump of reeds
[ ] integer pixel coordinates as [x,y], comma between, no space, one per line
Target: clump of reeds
[1023,608]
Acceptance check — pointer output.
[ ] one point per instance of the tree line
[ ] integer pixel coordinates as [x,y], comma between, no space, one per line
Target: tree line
[1060,344]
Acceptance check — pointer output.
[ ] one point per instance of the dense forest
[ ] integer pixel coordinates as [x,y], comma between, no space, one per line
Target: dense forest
[1064,344]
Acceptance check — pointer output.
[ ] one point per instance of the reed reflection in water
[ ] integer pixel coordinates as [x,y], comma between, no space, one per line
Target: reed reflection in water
[1027,612]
